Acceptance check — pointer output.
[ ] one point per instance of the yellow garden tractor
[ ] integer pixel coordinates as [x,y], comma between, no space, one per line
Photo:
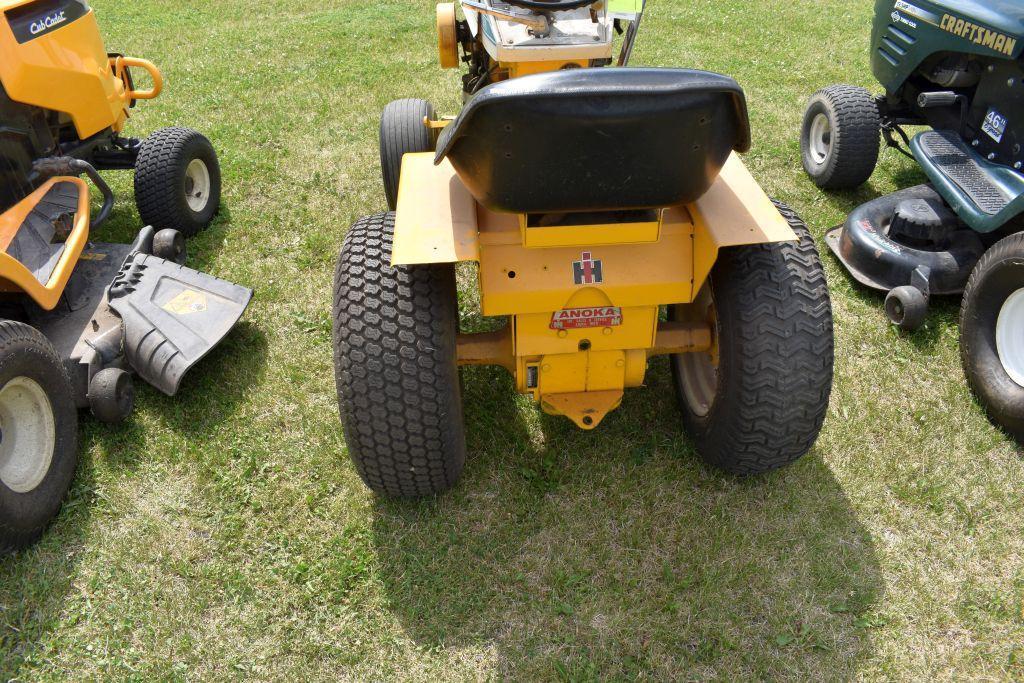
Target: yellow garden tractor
[78,317]
[610,220]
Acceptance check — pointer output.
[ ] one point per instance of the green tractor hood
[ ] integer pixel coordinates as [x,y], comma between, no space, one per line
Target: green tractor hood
[906,33]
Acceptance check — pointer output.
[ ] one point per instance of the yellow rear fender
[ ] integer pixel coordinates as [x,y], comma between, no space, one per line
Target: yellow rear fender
[437,218]
[734,212]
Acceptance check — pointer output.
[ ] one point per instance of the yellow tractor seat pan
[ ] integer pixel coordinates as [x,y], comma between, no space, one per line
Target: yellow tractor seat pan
[600,139]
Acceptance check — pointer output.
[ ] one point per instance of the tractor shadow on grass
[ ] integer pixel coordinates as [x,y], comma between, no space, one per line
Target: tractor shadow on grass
[214,388]
[35,583]
[124,225]
[617,554]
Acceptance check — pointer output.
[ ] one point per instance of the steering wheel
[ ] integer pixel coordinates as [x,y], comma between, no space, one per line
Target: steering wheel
[551,5]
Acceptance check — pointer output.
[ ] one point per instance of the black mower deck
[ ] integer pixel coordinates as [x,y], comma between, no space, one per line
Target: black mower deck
[875,259]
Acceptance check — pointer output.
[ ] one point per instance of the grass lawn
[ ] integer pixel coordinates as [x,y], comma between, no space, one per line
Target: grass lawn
[225,535]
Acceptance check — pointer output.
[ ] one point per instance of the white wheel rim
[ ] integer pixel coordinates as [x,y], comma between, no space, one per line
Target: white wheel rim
[197,185]
[699,372]
[1010,336]
[27,435]
[819,142]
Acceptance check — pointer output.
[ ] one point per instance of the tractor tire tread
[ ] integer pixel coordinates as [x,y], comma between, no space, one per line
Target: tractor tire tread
[397,380]
[16,334]
[156,180]
[402,132]
[784,358]
[857,139]
[1002,398]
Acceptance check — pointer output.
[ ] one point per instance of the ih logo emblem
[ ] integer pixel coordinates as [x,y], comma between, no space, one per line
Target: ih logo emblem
[587,271]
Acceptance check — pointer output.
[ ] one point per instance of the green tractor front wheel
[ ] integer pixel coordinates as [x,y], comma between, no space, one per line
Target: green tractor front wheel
[840,137]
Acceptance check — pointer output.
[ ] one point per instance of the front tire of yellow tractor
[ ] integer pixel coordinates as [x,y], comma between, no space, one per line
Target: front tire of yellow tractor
[395,364]
[402,131]
[757,401]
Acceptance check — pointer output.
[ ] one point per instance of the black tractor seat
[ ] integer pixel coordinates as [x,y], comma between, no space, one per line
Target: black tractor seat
[603,139]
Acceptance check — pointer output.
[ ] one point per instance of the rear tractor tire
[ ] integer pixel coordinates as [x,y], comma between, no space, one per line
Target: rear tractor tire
[395,363]
[402,132]
[177,181]
[756,402]
[839,139]
[38,435]
[992,333]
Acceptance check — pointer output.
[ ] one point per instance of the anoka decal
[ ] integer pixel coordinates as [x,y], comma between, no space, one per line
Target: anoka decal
[582,318]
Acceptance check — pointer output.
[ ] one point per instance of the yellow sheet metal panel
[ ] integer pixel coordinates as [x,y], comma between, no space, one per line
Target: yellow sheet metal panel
[63,69]
[563,373]
[17,277]
[536,337]
[518,69]
[436,215]
[735,211]
[586,409]
[545,236]
[515,280]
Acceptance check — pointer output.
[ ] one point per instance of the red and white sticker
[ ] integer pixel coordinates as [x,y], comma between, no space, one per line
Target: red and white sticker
[581,318]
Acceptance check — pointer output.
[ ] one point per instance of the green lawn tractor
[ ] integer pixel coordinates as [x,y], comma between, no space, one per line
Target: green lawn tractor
[956,68]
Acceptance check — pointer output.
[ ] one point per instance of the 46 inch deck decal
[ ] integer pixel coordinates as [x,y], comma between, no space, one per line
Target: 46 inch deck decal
[581,318]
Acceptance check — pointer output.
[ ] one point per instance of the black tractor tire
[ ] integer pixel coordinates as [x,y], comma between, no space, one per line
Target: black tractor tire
[35,472]
[165,182]
[854,130]
[112,395]
[998,276]
[402,132]
[395,363]
[906,307]
[770,392]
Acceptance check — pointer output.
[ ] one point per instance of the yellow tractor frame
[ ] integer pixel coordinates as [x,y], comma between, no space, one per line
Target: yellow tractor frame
[580,373]
[609,220]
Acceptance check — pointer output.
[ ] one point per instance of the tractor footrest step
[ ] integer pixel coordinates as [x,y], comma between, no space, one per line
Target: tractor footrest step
[36,244]
[984,194]
[950,156]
